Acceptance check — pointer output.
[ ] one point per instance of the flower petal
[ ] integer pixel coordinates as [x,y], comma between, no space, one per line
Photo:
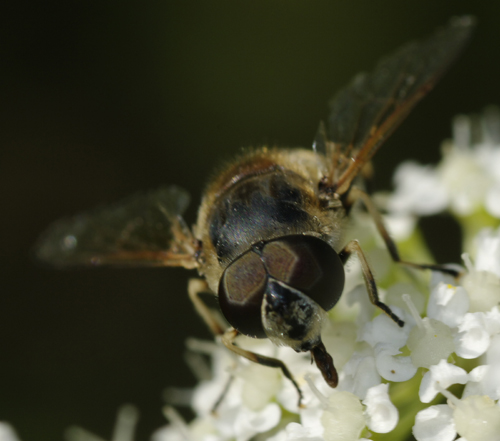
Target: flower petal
[473,338]
[7,433]
[477,418]
[391,367]
[448,304]
[435,424]
[418,190]
[383,330]
[361,374]
[382,414]
[343,420]
[440,376]
[249,423]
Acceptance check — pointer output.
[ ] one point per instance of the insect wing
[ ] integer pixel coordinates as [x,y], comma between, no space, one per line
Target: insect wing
[367,111]
[145,229]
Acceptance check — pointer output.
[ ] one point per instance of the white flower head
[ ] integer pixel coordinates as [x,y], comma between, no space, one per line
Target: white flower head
[418,190]
[467,178]
[457,319]
[430,341]
[7,433]
[475,418]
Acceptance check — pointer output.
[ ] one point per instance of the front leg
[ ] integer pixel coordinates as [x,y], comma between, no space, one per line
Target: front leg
[195,288]
[354,247]
[228,340]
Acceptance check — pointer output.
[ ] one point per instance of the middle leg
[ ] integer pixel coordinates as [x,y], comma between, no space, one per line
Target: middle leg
[354,247]
[357,194]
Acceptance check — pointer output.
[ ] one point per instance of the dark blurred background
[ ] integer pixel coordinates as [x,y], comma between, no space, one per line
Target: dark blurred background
[100,99]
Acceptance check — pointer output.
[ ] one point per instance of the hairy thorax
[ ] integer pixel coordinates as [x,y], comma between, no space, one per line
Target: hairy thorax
[263,195]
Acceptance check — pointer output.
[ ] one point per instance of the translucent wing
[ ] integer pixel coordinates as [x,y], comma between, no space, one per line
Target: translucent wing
[145,229]
[367,111]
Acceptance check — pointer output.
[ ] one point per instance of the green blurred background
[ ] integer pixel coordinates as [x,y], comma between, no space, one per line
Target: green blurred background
[100,99]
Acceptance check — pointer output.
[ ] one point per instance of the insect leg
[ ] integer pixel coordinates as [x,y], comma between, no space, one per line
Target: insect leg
[228,340]
[195,288]
[356,194]
[354,247]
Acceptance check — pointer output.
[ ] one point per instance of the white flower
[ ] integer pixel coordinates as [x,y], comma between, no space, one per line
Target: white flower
[488,251]
[482,280]
[249,423]
[435,424]
[391,366]
[464,179]
[360,374]
[126,421]
[418,190]
[297,432]
[440,376]
[383,330]
[467,178]
[483,381]
[386,338]
[237,400]
[430,341]
[475,418]
[7,433]
[343,418]
[473,339]
[253,399]
[381,413]
[448,304]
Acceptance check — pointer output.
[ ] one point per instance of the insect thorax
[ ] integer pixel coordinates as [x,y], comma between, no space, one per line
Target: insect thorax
[266,195]
[257,208]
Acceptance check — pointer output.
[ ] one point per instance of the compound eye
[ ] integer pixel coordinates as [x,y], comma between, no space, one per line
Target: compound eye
[307,264]
[241,290]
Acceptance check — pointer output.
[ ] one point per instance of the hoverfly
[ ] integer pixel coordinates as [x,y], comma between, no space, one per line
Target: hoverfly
[268,239]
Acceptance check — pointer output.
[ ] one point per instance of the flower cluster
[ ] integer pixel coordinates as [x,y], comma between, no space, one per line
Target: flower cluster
[7,433]
[393,381]
[467,179]
[386,370]
[460,319]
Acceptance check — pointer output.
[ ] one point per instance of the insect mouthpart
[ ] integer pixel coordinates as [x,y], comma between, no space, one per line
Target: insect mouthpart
[291,318]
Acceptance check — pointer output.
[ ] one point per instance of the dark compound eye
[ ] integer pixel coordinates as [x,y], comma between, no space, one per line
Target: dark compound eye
[241,291]
[307,264]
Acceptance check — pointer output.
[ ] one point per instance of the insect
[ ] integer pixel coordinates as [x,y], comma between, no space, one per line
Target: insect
[268,240]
